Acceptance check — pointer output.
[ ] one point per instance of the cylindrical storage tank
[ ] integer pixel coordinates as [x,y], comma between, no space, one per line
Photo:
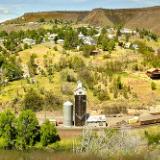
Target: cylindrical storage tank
[80,105]
[68,114]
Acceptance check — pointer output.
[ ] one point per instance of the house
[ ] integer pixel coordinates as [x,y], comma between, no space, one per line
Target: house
[127,45]
[94,52]
[135,46]
[60,41]
[127,31]
[89,41]
[153,73]
[29,41]
[96,121]
[51,37]
[81,36]
[111,36]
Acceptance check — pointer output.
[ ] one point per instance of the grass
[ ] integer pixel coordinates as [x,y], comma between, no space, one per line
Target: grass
[138,81]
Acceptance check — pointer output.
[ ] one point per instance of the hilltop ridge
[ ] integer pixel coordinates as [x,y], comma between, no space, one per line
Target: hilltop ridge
[148,18]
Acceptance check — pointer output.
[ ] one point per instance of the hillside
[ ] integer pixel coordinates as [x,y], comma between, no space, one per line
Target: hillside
[134,18]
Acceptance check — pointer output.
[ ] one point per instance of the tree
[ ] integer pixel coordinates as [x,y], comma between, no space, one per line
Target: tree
[87,49]
[48,133]
[7,128]
[27,130]
[33,100]
[108,45]
[71,39]
[32,65]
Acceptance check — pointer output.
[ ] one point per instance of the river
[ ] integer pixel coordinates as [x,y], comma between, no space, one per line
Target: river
[41,155]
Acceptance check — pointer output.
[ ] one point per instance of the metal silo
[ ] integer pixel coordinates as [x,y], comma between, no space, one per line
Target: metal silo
[80,105]
[68,114]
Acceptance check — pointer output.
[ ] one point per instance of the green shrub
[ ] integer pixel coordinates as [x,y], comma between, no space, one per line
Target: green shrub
[7,128]
[48,133]
[52,101]
[153,86]
[27,130]
[33,100]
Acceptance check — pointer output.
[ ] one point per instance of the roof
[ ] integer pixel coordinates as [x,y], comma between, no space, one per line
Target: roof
[80,90]
[149,117]
[153,70]
[97,118]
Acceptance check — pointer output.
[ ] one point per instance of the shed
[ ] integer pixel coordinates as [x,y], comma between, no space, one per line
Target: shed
[153,73]
[94,52]
[96,121]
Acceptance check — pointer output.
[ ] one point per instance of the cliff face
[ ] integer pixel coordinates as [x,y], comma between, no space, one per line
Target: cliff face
[148,18]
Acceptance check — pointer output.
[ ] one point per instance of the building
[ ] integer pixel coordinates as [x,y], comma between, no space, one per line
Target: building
[80,114]
[29,41]
[94,52]
[51,37]
[127,31]
[153,73]
[87,40]
[111,36]
[60,41]
[127,45]
[135,46]
[97,121]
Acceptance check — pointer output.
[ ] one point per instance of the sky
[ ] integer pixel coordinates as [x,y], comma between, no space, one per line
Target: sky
[14,8]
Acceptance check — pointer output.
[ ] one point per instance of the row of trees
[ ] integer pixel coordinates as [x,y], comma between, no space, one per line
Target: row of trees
[24,131]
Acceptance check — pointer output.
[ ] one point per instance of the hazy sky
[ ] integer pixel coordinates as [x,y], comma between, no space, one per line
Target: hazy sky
[13,8]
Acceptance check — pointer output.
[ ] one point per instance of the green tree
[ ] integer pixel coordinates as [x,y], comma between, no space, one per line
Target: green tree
[32,65]
[48,133]
[71,39]
[7,128]
[33,100]
[108,45]
[27,130]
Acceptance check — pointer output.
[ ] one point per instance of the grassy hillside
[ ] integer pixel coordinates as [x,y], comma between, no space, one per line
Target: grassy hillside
[140,95]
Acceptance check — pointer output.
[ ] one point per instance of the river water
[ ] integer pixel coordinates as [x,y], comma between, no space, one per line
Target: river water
[41,155]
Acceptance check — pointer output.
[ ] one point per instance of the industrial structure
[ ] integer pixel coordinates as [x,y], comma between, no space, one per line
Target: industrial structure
[80,105]
[68,114]
[96,121]
[77,115]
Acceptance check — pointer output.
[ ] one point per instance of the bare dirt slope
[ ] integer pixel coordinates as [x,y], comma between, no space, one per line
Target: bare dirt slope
[148,18]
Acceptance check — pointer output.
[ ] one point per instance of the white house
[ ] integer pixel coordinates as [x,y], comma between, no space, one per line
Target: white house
[60,41]
[29,41]
[135,46]
[81,36]
[89,41]
[111,36]
[96,121]
[127,31]
[127,45]
[51,37]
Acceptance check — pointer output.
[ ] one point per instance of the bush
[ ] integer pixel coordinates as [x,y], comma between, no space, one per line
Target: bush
[76,62]
[48,133]
[87,49]
[7,129]
[153,86]
[115,108]
[67,89]
[27,130]
[52,101]
[68,75]
[33,100]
